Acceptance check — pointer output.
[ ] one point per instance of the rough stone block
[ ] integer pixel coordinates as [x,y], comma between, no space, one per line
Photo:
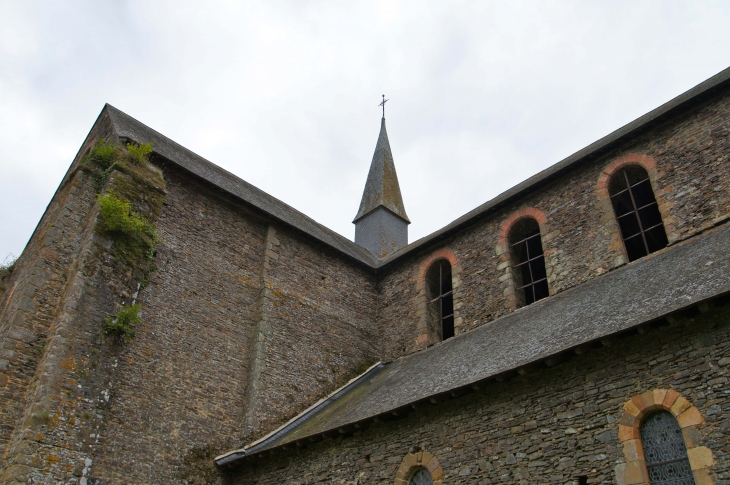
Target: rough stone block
[700,457]
[691,417]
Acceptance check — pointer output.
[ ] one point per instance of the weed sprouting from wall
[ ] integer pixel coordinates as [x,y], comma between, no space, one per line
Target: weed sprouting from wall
[103,153]
[129,192]
[134,236]
[6,270]
[139,153]
[122,324]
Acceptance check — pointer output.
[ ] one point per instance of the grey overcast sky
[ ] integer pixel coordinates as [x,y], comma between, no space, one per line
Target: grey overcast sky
[483,94]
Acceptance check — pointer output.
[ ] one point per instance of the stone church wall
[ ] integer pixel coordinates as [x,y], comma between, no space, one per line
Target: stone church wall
[79,407]
[580,236]
[549,426]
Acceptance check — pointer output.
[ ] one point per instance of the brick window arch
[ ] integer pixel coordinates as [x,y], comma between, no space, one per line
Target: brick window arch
[418,468]
[522,257]
[622,189]
[437,299]
[677,415]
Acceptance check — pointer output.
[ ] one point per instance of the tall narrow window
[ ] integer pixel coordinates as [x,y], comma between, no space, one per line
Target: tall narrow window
[441,299]
[665,451]
[637,212]
[528,261]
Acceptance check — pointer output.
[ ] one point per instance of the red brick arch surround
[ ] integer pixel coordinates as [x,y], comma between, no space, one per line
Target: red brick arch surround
[645,161]
[424,337]
[503,251]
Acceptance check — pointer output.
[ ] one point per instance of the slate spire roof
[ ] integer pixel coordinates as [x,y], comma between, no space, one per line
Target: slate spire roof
[381,188]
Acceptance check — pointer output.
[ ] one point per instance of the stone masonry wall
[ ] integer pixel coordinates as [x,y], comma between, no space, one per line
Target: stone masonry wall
[158,408]
[37,292]
[321,314]
[691,183]
[549,426]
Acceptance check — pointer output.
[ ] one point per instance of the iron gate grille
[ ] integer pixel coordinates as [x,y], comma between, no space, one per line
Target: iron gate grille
[665,452]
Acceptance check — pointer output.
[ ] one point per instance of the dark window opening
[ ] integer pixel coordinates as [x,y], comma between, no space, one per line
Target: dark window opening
[421,477]
[441,299]
[528,262]
[637,212]
[582,480]
[665,451]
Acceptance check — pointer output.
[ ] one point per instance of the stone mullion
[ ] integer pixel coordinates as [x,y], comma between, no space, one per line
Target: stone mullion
[261,335]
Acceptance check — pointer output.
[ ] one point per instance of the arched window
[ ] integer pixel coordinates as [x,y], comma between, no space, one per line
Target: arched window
[440,293]
[637,212]
[421,477]
[664,450]
[528,261]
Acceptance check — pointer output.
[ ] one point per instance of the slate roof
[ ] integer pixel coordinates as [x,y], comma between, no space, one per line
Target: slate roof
[382,188]
[645,290]
[126,126]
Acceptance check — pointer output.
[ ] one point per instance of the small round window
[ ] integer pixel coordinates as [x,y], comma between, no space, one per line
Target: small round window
[421,477]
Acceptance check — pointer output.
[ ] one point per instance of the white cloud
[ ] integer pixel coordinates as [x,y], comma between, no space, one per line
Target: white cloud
[285,93]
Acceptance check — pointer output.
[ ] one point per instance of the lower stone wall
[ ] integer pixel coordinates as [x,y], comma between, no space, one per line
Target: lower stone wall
[550,426]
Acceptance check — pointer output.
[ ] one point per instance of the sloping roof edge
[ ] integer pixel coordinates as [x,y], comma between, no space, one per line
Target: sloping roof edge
[296,420]
[126,126]
[702,92]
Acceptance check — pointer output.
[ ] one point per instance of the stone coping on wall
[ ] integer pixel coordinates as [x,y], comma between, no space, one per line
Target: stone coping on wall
[128,127]
[645,290]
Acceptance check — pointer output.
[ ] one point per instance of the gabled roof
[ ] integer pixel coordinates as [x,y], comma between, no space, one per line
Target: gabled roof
[381,187]
[126,126]
[640,292]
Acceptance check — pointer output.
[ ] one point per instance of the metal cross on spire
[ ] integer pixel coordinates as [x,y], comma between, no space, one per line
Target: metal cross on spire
[383,104]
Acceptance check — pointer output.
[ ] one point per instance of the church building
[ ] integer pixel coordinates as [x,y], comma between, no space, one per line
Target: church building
[170,323]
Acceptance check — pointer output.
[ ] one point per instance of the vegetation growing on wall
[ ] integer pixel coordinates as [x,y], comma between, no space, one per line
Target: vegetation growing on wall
[134,236]
[122,324]
[129,192]
[6,270]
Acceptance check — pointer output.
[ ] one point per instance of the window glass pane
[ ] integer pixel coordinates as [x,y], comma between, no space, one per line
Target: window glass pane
[446,277]
[529,294]
[629,225]
[448,327]
[520,252]
[656,239]
[617,183]
[635,174]
[635,247]
[538,268]
[650,216]
[525,277]
[643,194]
[622,203]
[541,290]
[534,246]
[447,305]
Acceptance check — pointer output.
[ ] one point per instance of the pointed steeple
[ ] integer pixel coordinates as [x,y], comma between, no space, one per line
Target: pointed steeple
[381,188]
[381,224]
